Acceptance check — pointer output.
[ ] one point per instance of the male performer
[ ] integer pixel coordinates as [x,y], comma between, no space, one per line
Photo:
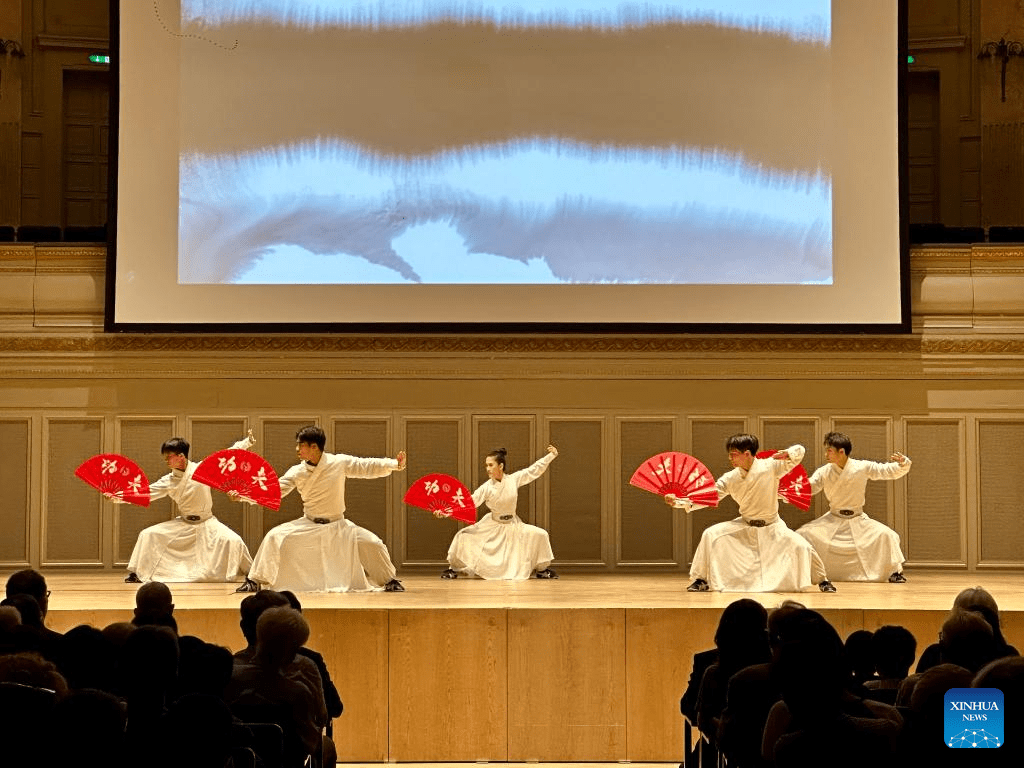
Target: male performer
[852,545]
[756,552]
[195,546]
[322,551]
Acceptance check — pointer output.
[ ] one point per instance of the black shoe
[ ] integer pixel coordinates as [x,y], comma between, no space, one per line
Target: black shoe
[699,585]
[394,586]
[547,573]
[248,586]
[827,586]
[449,573]
[132,578]
[897,578]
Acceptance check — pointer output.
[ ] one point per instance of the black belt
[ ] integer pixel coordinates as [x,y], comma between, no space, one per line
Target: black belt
[320,520]
[192,518]
[846,512]
[506,517]
[756,523]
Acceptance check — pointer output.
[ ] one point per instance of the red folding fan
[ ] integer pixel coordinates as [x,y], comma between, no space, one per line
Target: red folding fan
[794,486]
[246,473]
[442,495]
[117,476]
[679,474]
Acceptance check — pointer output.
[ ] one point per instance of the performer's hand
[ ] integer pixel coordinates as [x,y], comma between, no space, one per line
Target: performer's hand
[234,495]
[113,498]
[401,460]
[781,455]
[552,450]
[441,514]
[250,436]
[899,458]
[670,499]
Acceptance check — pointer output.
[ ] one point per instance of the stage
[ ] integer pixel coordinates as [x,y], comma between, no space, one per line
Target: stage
[588,668]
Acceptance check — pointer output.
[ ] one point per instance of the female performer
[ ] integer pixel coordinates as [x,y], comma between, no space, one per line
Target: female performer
[500,545]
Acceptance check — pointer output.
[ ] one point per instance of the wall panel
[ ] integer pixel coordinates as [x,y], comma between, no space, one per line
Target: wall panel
[1000,493]
[73,510]
[15,436]
[366,503]
[434,445]
[574,481]
[935,492]
[646,524]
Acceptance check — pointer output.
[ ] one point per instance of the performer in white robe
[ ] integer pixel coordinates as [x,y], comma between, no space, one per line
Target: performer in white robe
[756,552]
[322,551]
[195,546]
[500,545]
[853,546]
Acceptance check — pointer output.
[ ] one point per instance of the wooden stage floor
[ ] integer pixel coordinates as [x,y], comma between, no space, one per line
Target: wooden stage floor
[588,668]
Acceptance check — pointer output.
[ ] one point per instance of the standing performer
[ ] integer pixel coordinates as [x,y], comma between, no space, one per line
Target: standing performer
[195,546]
[500,545]
[852,545]
[322,551]
[756,552]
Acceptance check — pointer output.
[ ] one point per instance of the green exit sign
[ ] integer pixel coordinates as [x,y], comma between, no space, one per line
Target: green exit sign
[99,58]
[910,59]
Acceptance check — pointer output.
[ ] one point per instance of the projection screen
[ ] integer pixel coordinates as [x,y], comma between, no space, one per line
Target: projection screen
[549,164]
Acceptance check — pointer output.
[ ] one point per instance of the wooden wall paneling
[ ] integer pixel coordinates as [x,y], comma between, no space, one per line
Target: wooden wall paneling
[871,440]
[518,436]
[355,647]
[646,527]
[278,448]
[209,436]
[936,515]
[999,492]
[448,685]
[367,504]
[567,699]
[707,443]
[15,479]
[660,645]
[780,432]
[574,482]
[434,444]
[139,439]
[72,518]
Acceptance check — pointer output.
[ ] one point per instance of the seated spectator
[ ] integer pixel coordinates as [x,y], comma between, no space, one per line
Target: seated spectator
[893,650]
[331,697]
[978,600]
[857,649]
[921,741]
[91,725]
[203,668]
[154,605]
[1007,675]
[147,675]
[197,730]
[251,608]
[31,635]
[87,658]
[262,691]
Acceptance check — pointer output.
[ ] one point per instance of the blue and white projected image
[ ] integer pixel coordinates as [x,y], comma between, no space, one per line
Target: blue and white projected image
[488,143]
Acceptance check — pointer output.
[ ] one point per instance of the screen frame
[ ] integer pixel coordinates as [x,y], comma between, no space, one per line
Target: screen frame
[904,326]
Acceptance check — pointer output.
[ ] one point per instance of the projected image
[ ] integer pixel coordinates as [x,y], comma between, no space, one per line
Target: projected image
[489,143]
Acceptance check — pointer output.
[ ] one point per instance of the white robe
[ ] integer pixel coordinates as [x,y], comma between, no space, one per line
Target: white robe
[338,556]
[500,545]
[736,557]
[854,548]
[181,550]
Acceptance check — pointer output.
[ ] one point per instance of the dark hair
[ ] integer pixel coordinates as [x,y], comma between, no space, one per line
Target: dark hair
[252,608]
[27,582]
[498,454]
[176,445]
[742,442]
[893,649]
[293,601]
[312,435]
[839,441]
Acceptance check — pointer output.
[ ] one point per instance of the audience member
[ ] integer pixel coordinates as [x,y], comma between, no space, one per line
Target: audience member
[979,600]
[892,650]
[154,605]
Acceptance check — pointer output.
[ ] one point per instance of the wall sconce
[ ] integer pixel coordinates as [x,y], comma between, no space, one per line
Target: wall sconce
[1004,49]
[11,48]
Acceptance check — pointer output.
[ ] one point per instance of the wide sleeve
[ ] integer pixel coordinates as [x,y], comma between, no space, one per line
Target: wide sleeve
[367,468]
[245,443]
[795,456]
[287,480]
[889,470]
[817,479]
[160,488]
[532,472]
[480,495]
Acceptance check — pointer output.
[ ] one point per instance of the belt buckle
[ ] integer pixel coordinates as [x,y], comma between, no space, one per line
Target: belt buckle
[847,512]
[757,523]
[192,518]
[505,517]
[321,520]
